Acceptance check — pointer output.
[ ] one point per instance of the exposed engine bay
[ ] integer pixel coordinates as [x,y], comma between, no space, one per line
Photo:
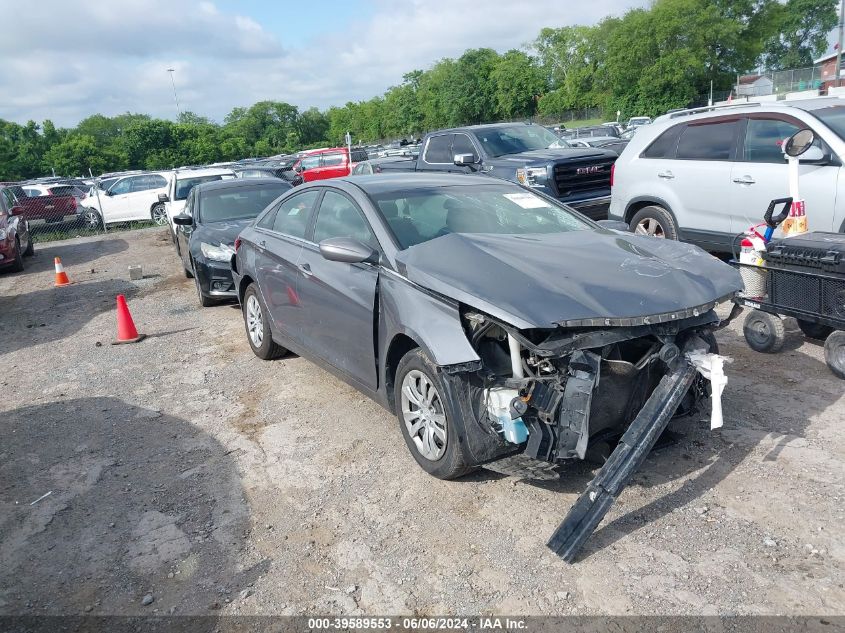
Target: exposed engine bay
[562,392]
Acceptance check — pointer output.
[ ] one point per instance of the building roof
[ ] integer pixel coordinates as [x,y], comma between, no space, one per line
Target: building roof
[746,80]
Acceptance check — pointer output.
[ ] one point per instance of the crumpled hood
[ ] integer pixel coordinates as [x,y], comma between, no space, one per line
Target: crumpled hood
[541,280]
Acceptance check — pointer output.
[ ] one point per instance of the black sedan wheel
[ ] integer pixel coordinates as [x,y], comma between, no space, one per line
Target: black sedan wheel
[425,418]
[17,263]
[205,300]
[258,328]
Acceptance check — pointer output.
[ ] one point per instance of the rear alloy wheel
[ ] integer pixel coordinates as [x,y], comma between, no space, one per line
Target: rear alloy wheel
[257,327]
[92,219]
[834,353]
[764,332]
[425,418]
[654,221]
[159,214]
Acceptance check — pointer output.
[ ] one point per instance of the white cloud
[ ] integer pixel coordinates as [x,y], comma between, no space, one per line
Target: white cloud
[66,61]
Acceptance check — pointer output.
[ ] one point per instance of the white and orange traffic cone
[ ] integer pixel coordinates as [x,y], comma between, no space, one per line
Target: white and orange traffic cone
[61,275]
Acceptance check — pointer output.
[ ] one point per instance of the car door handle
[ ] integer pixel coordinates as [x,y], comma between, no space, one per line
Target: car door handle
[666,174]
[745,180]
[305,269]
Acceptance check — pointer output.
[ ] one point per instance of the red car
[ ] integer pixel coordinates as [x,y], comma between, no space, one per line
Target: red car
[44,208]
[15,240]
[328,162]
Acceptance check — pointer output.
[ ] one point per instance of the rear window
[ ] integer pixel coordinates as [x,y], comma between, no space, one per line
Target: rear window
[238,203]
[184,185]
[63,191]
[708,141]
[664,145]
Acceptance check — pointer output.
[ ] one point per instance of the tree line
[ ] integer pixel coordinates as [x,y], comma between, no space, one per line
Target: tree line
[642,63]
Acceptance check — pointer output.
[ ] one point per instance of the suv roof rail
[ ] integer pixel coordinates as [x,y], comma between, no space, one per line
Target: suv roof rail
[743,104]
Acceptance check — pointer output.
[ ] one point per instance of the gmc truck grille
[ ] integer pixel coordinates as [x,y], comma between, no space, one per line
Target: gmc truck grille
[575,177]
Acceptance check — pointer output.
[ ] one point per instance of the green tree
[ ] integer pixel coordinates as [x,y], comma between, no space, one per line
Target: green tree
[800,32]
[518,83]
[78,153]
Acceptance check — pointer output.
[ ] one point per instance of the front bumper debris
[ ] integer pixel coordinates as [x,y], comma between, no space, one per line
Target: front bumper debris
[629,454]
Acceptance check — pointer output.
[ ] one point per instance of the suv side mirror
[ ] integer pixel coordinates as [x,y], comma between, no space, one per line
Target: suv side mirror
[183,219]
[348,250]
[163,197]
[465,160]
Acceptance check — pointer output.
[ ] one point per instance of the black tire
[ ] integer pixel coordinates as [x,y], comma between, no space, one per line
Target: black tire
[17,264]
[30,247]
[834,353]
[205,300]
[656,222]
[268,349]
[814,330]
[764,332]
[452,463]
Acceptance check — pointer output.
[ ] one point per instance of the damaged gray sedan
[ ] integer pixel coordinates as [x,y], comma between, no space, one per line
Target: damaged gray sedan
[490,319]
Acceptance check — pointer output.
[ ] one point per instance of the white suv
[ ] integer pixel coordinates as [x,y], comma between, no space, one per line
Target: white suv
[703,176]
[180,186]
[130,198]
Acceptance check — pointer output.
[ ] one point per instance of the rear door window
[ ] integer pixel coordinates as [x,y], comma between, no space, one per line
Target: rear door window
[121,186]
[310,162]
[664,145]
[333,159]
[708,141]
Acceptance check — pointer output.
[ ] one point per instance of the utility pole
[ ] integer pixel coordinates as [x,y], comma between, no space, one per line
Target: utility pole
[176,99]
[839,47]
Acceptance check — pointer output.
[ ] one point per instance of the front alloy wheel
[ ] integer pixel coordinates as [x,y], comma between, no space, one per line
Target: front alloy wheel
[422,412]
[159,215]
[91,219]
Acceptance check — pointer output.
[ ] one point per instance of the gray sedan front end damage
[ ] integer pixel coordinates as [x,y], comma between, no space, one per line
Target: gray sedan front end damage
[586,369]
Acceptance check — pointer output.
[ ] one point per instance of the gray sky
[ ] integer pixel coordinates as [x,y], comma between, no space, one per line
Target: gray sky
[65,60]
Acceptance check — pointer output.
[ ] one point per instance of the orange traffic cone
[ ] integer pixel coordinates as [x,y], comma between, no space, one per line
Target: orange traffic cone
[126,332]
[61,275]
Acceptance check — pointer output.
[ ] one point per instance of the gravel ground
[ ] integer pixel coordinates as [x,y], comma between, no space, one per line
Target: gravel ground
[187,476]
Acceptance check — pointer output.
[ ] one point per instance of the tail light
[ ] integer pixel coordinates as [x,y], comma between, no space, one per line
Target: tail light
[612,173]
[237,243]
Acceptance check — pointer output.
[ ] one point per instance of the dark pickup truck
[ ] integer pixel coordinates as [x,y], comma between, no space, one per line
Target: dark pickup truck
[524,153]
[52,209]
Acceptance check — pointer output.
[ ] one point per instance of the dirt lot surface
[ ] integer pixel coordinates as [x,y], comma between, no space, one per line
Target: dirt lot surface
[185,470]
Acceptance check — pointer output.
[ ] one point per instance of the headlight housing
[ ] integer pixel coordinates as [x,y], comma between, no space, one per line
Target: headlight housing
[217,252]
[532,176]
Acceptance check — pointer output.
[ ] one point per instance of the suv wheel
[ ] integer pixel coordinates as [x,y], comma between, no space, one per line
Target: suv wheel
[159,214]
[655,221]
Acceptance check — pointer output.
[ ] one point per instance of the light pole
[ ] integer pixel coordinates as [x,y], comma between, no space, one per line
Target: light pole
[175,98]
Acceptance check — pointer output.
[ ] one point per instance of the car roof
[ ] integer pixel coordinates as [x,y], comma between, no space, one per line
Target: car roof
[239,183]
[485,126]
[808,105]
[388,183]
[199,173]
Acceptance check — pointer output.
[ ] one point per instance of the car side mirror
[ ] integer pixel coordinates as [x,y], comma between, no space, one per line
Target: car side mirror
[163,197]
[183,219]
[799,143]
[348,250]
[16,210]
[614,225]
[813,154]
[465,160]
[108,192]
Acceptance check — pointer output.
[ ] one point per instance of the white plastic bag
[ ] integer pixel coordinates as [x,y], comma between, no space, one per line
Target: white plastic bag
[712,367]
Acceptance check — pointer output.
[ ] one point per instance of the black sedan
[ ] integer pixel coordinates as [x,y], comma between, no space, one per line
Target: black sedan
[479,311]
[214,214]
